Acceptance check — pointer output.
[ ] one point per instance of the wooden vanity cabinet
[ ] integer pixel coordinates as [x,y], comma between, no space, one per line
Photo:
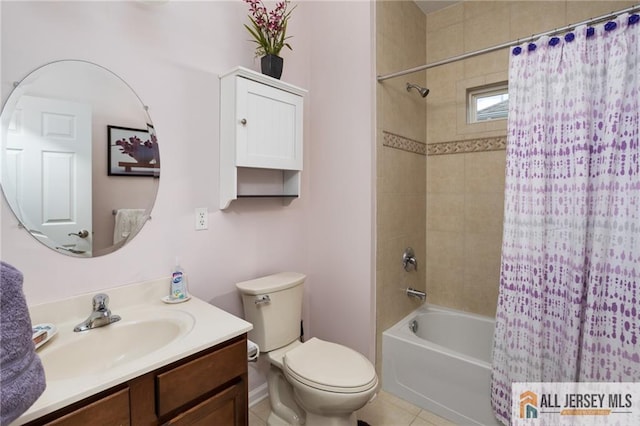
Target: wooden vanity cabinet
[207,388]
[112,409]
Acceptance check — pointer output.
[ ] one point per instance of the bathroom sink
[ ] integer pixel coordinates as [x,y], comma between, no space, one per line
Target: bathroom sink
[139,333]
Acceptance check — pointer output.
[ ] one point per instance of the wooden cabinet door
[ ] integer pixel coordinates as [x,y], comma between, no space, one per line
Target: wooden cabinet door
[269,127]
[188,382]
[112,410]
[227,408]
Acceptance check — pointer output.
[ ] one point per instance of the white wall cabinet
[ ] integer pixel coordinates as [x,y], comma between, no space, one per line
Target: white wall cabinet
[261,133]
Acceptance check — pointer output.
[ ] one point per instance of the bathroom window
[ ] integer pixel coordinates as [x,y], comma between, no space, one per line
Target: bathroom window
[488,103]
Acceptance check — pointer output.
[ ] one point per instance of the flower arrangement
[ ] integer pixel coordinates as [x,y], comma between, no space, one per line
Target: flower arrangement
[269,28]
[143,152]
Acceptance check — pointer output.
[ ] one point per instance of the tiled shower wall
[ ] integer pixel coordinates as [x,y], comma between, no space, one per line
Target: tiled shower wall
[401,162]
[465,162]
[447,205]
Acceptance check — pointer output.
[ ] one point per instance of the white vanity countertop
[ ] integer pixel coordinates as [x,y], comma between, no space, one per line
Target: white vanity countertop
[211,326]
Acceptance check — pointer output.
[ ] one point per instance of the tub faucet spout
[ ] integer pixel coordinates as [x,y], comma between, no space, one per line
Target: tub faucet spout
[412,292]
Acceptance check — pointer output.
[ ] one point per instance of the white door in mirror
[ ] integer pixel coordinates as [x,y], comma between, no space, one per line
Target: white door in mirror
[47,140]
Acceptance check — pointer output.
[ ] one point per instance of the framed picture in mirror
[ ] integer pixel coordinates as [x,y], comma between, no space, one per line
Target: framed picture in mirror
[132,152]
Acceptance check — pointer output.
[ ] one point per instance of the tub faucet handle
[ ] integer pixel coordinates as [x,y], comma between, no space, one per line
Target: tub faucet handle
[409,261]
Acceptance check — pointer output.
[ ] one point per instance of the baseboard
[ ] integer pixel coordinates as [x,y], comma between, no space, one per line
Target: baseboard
[258,394]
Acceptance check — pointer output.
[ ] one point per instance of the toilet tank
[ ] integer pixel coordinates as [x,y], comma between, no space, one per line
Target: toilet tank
[273,304]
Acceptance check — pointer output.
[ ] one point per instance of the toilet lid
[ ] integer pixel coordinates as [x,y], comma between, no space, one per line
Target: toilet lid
[331,367]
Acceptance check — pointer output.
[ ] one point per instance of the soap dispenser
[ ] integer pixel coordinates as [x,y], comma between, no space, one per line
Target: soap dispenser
[178,289]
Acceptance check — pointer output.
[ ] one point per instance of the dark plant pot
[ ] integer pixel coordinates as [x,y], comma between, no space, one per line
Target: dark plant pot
[143,155]
[272,65]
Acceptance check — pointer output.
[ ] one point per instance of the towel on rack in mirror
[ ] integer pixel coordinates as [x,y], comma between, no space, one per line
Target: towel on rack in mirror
[127,221]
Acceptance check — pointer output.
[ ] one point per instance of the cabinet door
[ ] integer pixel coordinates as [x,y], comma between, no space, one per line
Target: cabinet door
[112,410]
[227,408]
[181,385]
[269,132]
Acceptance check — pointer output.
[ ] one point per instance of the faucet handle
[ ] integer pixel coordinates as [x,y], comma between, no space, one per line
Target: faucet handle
[100,302]
[409,259]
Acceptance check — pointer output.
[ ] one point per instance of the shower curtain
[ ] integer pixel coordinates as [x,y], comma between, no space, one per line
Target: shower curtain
[569,305]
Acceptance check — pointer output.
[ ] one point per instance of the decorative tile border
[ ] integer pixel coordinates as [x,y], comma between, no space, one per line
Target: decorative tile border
[470,145]
[400,142]
[441,148]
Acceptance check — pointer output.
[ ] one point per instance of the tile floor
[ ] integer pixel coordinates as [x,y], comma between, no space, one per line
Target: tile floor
[385,410]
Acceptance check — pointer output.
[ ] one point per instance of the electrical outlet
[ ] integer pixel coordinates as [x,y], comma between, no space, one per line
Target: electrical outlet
[202,218]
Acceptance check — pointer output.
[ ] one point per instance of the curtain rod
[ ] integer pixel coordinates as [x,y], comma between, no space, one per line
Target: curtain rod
[508,44]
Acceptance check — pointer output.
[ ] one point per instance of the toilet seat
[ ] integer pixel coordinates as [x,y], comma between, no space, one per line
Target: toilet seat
[330,367]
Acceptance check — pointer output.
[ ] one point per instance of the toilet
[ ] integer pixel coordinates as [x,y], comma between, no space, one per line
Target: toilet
[312,383]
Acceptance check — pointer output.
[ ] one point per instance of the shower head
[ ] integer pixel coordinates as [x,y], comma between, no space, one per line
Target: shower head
[422,90]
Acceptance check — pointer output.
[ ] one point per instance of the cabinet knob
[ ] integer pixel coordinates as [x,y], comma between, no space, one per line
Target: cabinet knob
[243,121]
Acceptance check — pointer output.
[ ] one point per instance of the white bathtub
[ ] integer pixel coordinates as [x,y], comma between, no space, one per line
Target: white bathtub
[445,366]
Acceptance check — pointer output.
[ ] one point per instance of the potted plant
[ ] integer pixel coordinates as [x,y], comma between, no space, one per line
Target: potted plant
[269,29]
[143,152]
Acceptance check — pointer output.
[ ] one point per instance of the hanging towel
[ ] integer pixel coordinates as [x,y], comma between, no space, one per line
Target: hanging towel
[128,222]
[22,379]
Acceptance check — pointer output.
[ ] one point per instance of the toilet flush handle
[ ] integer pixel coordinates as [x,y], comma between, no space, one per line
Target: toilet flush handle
[262,299]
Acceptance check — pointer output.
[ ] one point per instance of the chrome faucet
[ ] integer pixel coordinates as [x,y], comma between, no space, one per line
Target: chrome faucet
[100,316]
[412,292]
[409,261]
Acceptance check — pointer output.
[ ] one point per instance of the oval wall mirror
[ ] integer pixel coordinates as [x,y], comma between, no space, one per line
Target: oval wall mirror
[80,159]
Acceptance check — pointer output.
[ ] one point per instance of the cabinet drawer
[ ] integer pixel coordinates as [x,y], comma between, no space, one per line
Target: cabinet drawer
[112,410]
[222,409]
[189,381]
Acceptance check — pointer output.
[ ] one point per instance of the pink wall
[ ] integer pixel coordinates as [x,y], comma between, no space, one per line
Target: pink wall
[171,53]
[341,255]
